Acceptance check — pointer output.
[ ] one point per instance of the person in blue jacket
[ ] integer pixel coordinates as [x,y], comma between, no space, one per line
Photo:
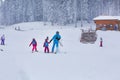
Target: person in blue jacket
[55,40]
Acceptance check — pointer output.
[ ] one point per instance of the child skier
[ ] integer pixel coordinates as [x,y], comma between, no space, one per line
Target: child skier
[34,44]
[3,39]
[101,42]
[46,46]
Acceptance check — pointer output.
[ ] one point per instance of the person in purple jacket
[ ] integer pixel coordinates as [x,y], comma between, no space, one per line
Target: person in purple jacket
[3,39]
[46,46]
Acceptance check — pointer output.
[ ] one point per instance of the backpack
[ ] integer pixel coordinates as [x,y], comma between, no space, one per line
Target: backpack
[58,38]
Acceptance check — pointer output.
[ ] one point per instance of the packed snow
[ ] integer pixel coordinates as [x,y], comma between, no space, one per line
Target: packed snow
[75,60]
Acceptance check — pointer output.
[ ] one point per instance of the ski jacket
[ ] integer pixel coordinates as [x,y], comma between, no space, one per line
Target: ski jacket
[3,37]
[56,38]
[46,43]
[34,43]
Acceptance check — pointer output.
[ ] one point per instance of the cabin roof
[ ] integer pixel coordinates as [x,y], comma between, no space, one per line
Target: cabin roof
[107,18]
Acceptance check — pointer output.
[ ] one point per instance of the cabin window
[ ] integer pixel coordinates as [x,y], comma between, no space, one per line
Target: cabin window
[99,25]
[111,25]
[104,25]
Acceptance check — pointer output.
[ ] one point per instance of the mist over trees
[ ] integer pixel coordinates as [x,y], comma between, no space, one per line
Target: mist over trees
[55,11]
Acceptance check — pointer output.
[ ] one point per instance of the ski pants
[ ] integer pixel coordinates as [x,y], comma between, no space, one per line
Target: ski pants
[46,50]
[101,45]
[53,47]
[2,42]
[34,48]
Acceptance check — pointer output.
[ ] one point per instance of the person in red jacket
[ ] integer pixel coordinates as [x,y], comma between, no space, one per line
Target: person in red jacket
[34,44]
[46,46]
[101,42]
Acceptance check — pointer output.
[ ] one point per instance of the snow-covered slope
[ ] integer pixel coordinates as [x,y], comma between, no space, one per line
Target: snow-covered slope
[75,61]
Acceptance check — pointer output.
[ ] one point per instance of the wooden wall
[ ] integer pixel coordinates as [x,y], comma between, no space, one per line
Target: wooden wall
[107,24]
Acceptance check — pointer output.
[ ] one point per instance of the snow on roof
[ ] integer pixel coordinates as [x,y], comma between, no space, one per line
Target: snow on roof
[107,18]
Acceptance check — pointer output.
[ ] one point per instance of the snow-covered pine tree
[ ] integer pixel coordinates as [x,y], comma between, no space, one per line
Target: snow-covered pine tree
[55,11]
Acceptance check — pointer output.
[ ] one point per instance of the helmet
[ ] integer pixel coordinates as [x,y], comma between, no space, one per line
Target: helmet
[33,38]
[57,32]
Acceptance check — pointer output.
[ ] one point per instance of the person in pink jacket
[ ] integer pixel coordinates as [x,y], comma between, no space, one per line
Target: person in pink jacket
[34,44]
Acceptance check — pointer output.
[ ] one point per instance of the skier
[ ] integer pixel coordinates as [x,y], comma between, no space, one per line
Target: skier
[34,44]
[116,27]
[101,42]
[55,39]
[3,39]
[19,28]
[46,46]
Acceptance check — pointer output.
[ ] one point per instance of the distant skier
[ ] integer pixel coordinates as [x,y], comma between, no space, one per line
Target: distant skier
[116,27]
[19,28]
[101,42]
[34,44]
[46,46]
[3,39]
[55,39]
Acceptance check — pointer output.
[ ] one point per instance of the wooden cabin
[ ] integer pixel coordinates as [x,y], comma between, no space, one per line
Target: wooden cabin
[107,23]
